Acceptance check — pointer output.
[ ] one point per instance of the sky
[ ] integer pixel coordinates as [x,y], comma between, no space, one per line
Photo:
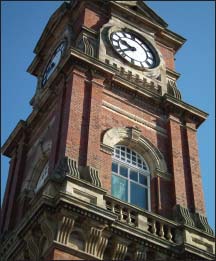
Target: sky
[22,23]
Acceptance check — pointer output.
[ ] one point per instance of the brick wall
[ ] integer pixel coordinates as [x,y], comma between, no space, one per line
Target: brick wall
[176,157]
[168,56]
[195,175]
[94,20]
[58,254]
[81,120]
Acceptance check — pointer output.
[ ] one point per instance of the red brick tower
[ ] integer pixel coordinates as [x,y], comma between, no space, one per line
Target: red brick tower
[106,166]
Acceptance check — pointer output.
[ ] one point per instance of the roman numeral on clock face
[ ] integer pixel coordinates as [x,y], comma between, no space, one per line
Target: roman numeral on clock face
[119,50]
[149,64]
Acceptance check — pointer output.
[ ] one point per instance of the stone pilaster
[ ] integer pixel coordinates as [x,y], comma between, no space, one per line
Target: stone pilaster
[96,240]
[65,226]
[120,248]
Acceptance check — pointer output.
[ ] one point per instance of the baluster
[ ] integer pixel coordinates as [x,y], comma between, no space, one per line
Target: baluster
[128,216]
[121,213]
[144,81]
[161,230]
[153,228]
[112,207]
[169,234]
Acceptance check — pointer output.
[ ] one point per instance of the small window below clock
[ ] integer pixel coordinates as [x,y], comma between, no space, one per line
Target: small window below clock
[43,175]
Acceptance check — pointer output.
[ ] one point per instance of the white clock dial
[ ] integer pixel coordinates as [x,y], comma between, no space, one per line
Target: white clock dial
[53,62]
[132,49]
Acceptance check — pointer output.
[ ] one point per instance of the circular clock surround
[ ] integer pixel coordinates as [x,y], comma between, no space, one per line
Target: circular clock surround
[54,61]
[134,49]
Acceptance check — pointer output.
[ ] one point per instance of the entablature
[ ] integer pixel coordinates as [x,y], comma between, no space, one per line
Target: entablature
[112,76]
[57,206]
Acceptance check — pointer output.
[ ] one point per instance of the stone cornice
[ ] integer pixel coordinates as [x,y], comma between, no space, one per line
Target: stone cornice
[194,250]
[9,144]
[50,24]
[184,110]
[131,13]
[171,104]
[123,230]
[143,231]
[161,31]
[110,72]
[172,74]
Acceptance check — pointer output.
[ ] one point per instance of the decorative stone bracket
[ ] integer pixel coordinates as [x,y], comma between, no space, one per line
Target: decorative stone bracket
[202,223]
[65,226]
[70,167]
[38,238]
[91,175]
[87,44]
[32,247]
[172,89]
[120,248]
[66,166]
[97,240]
[183,216]
[140,253]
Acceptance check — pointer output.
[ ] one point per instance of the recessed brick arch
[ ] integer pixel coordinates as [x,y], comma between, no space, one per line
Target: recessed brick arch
[43,152]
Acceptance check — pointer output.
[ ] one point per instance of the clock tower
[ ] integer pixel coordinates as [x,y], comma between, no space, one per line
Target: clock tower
[106,165]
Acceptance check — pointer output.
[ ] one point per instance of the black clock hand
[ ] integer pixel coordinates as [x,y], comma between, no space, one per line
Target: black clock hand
[129,48]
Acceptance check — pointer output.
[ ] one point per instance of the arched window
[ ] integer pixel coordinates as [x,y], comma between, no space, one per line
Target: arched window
[42,177]
[130,177]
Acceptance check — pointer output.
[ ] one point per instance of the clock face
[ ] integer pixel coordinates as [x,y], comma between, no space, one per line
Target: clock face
[53,62]
[131,48]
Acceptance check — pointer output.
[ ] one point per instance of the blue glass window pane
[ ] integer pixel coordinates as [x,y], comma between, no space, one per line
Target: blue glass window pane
[120,188]
[115,167]
[134,175]
[123,171]
[144,166]
[142,179]
[123,155]
[139,195]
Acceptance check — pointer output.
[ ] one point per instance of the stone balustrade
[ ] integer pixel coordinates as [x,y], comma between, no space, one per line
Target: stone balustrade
[142,219]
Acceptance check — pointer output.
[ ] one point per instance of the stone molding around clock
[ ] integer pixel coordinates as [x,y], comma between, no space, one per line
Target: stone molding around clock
[106,50]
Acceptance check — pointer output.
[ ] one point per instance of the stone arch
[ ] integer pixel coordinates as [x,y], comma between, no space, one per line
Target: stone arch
[42,158]
[77,239]
[132,138]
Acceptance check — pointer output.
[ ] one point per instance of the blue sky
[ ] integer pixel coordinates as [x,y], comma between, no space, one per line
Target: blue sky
[23,23]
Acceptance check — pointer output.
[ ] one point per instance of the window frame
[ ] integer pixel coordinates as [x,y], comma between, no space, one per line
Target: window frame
[145,172]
